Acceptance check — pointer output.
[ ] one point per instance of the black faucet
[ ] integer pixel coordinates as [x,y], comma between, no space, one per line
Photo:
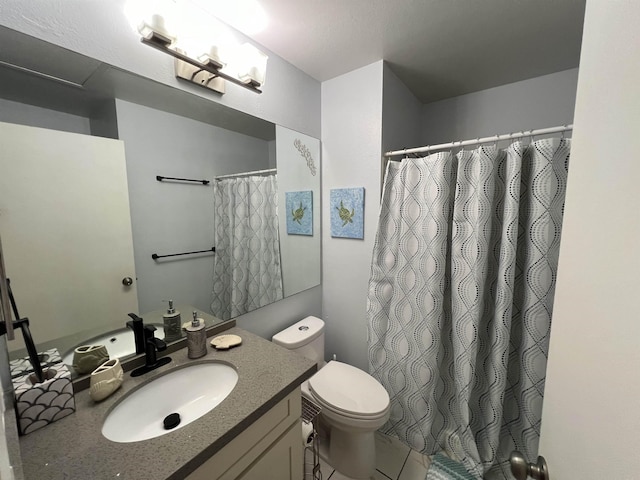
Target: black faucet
[152,345]
[34,358]
[23,324]
[137,326]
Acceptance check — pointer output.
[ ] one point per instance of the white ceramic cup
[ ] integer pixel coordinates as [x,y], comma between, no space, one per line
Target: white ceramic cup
[87,357]
[105,379]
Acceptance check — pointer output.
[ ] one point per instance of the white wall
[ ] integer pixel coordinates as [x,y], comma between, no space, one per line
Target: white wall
[401,121]
[401,114]
[100,30]
[590,414]
[539,102]
[351,149]
[23,114]
[104,121]
[171,217]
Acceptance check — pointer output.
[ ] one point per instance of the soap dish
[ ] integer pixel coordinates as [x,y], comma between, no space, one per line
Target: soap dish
[224,342]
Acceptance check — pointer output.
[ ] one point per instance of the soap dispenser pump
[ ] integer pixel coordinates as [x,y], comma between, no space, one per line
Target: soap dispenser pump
[196,338]
[172,324]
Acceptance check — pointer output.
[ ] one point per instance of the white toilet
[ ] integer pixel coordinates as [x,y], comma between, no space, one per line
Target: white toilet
[354,404]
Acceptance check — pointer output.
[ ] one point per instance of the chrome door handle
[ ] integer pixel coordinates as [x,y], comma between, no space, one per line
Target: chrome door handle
[522,470]
[127,281]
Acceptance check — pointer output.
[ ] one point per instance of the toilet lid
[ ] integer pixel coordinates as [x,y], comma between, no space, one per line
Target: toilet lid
[350,390]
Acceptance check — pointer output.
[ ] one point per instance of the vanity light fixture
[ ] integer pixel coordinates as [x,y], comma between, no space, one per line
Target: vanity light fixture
[247,68]
[252,65]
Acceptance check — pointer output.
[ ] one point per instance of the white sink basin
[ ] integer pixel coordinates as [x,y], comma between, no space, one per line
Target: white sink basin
[190,392]
[119,343]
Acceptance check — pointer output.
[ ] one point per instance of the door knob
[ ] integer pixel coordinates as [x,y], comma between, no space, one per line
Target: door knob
[127,281]
[522,470]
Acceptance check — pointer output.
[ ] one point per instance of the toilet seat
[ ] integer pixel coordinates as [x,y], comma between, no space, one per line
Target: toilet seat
[349,391]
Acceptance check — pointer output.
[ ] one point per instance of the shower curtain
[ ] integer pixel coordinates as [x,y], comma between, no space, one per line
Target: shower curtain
[460,299]
[247,273]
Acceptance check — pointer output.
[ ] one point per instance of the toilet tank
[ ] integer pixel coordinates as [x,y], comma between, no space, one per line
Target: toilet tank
[305,337]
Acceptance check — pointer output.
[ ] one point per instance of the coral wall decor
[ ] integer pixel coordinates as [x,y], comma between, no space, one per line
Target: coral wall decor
[306,154]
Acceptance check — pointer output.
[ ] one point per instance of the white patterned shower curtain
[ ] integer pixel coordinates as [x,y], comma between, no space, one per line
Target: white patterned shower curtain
[247,272]
[461,296]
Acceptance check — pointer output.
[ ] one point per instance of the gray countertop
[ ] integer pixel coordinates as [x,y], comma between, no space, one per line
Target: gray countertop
[73,448]
[11,440]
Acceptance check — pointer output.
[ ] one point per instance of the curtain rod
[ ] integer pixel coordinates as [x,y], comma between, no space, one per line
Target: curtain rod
[477,141]
[244,174]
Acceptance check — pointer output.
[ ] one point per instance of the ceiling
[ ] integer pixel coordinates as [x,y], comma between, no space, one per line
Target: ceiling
[438,48]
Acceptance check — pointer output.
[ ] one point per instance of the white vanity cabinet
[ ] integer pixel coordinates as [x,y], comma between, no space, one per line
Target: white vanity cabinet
[270,448]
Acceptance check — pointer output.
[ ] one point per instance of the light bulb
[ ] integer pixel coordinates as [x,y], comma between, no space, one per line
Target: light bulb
[214,55]
[251,64]
[154,18]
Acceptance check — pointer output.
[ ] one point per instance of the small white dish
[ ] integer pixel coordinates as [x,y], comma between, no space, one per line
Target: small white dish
[225,342]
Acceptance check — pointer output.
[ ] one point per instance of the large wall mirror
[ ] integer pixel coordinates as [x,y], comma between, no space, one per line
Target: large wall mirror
[82,213]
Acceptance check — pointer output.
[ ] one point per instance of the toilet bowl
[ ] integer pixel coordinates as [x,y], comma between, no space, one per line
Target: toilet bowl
[353,403]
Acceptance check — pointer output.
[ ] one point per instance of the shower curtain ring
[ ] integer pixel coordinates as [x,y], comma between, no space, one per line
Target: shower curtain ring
[563,131]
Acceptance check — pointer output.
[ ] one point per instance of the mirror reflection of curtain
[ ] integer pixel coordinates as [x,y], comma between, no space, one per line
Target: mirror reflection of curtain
[247,271]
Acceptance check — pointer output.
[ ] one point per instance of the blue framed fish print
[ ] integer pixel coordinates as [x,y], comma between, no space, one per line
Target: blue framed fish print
[347,212]
[299,212]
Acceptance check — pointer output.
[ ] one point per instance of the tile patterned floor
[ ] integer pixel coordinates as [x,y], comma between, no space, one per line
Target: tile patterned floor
[394,461]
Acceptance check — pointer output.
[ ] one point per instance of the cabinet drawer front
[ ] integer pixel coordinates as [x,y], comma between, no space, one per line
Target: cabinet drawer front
[235,457]
[283,460]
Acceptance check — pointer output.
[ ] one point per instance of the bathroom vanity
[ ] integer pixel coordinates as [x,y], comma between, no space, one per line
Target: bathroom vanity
[271,444]
[255,429]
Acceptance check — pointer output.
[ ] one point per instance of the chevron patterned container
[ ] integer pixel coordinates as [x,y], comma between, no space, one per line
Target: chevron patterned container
[22,366]
[39,404]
